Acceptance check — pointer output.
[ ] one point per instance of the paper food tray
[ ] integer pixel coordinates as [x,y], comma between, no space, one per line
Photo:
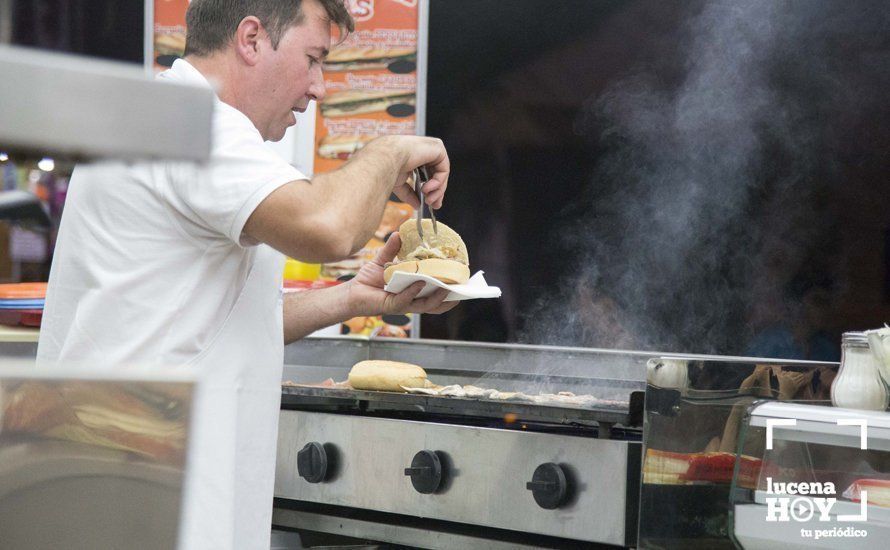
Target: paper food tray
[476,287]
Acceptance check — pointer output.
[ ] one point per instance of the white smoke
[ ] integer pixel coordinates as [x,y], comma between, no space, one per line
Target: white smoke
[703,202]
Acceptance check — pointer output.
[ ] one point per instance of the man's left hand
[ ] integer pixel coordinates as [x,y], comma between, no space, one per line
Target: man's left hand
[367,297]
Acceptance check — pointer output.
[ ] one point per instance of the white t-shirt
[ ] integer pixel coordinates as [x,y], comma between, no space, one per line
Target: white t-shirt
[150,257]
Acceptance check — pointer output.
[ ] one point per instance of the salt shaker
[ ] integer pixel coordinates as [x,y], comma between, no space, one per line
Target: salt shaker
[858,384]
[667,373]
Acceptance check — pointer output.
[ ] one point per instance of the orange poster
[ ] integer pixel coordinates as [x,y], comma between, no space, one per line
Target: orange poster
[371,81]
[169,32]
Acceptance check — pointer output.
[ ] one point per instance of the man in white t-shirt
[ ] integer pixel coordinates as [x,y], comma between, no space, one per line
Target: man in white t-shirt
[173,264]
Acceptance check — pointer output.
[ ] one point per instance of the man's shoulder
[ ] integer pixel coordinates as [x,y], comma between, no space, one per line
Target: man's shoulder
[107,176]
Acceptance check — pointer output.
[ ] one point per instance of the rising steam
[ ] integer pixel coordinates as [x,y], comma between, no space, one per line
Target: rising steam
[709,198]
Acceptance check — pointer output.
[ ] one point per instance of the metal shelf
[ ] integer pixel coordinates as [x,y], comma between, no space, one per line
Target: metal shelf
[81,108]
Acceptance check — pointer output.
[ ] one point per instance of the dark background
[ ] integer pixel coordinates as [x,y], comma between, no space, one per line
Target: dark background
[569,159]
[111,29]
[511,185]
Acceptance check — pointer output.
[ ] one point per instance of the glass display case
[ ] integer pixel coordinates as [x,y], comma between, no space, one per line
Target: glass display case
[695,409]
[92,458]
[821,478]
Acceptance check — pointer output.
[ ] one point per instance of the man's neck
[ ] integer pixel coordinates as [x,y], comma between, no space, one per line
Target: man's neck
[223,74]
[216,69]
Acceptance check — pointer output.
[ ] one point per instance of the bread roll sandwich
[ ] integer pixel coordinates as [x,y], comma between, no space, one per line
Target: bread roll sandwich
[127,417]
[394,215]
[342,147]
[380,375]
[351,265]
[356,102]
[443,256]
[363,58]
[670,468]
[170,43]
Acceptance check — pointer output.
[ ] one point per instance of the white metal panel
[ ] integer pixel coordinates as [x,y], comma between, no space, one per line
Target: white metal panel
[486,484]
[61,104]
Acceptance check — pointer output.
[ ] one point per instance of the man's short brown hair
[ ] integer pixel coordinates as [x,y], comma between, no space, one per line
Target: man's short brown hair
[211,24]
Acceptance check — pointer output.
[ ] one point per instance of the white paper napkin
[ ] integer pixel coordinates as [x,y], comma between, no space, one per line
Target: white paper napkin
[476,287]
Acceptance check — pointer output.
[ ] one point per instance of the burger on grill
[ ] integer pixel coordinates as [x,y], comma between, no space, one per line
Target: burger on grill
[443,256]
[381,375]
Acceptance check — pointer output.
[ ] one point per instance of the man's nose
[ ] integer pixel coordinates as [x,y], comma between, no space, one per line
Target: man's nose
[317,90]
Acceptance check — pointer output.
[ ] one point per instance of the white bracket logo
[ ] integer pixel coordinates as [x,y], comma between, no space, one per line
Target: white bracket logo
[770,423]
[861,422]
[863,429]
[803,508]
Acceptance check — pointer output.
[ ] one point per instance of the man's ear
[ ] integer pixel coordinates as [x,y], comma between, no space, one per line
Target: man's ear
[248,35]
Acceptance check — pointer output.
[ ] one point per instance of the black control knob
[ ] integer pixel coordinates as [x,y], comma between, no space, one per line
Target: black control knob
[549,486]
[426,472]
[312,462]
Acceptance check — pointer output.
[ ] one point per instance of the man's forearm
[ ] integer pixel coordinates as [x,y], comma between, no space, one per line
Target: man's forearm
[310,310]
[359,190]
[336,213]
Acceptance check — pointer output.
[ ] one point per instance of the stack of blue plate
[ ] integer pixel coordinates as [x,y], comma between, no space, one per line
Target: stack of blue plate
[22,304]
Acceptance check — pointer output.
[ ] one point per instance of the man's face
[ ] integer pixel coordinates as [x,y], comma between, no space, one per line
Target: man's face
[292,75]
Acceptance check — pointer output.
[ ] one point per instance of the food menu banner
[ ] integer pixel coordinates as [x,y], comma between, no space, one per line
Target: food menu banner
[371,81]
[169,32]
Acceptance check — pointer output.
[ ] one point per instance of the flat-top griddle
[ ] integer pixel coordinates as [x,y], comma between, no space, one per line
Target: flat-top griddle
[626,413]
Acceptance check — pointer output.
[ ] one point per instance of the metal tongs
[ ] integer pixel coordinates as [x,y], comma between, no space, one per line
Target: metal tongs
[420,178]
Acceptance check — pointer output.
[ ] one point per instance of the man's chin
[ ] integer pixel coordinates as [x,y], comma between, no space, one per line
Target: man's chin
[278,135]
[292,121]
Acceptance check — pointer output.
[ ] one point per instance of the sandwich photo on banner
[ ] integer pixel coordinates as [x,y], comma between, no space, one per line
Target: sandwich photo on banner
[366,58]
[342,147]
[356,102]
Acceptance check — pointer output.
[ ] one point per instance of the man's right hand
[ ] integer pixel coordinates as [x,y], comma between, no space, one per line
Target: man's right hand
[416,151]
[367,297]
